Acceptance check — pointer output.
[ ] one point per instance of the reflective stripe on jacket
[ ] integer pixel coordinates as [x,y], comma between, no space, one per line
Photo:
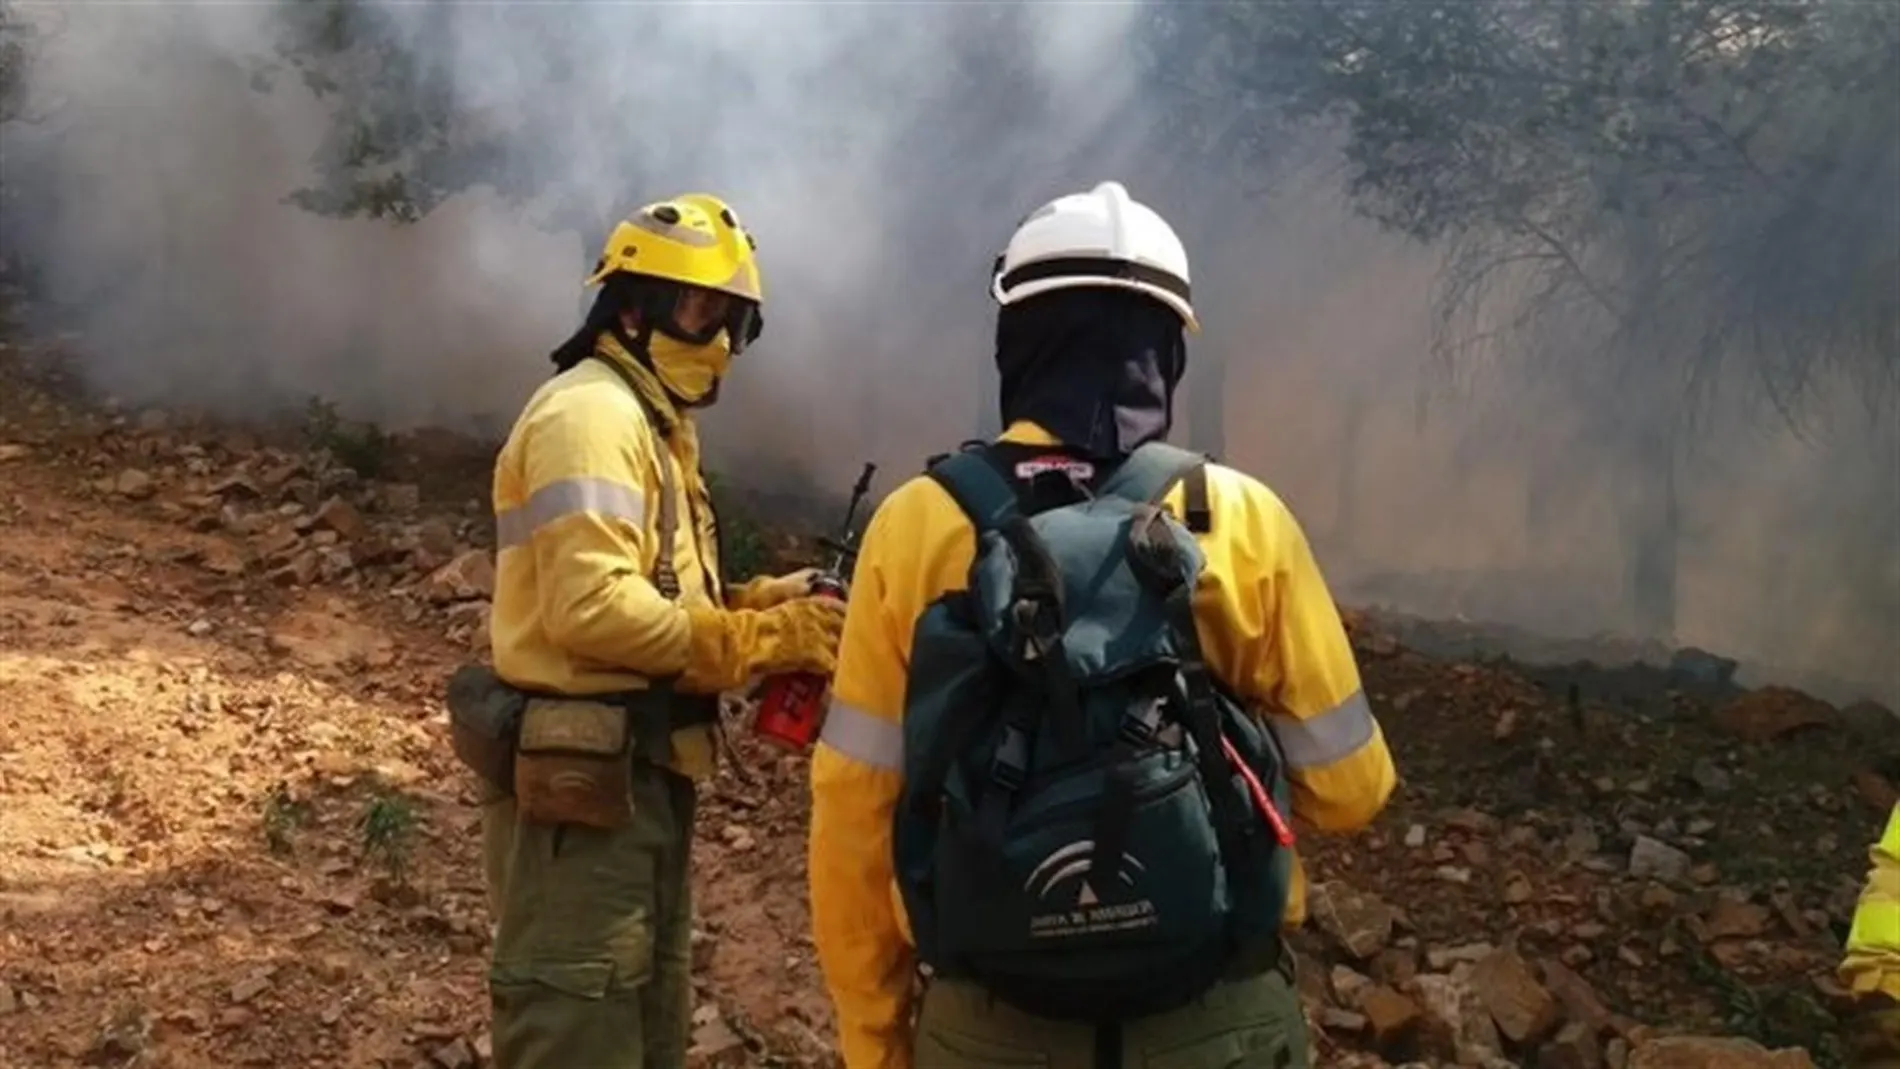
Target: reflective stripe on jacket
[1270,631]
[576,494]
[1873,944]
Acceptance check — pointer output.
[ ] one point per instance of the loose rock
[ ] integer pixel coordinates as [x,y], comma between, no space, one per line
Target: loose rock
[340,516]
[1735,919]
[1524,1010]
[1457,1024]
[1360,923]
[454,1054]
[1701,1052]
[1390,1016]
[470,575]
[1655,859]
[134,484]
[1575,1046]
[1771,713]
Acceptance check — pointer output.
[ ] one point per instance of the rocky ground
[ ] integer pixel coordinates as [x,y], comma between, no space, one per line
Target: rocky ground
[231,831]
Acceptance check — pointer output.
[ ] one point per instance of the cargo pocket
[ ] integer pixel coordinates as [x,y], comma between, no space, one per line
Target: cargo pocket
[579,979]
[1255,1023]
[1263,1046]
[572,764]
[565,1013]
[940,1048]
[579,909]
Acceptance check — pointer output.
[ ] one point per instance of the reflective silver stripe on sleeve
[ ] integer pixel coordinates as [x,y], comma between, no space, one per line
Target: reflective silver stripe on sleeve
[565,498]
[1337,733]
[864,738]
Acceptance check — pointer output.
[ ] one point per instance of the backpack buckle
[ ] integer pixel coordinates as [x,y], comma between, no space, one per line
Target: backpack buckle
[1011,763]
[1195,680]
[1036,625]
[1141,723]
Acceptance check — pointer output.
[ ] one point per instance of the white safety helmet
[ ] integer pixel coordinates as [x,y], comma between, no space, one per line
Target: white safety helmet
[1100,238]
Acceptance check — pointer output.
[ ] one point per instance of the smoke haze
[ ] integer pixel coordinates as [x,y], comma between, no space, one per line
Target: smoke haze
[882,170]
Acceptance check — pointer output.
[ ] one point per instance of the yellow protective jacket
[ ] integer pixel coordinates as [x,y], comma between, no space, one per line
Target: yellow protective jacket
[576,493]
[1872,965]
[1270,632]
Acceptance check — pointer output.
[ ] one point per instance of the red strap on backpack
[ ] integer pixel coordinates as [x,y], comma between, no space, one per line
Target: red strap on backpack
[1269,813]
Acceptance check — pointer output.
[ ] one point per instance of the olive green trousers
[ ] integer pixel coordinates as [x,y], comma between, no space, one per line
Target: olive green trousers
[593,954]
[1255,1023]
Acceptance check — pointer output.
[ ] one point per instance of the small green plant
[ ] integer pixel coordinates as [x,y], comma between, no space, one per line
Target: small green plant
[1778,1015]
[114,789]
[362,447]
[743,552]
[283,815]
[389,828]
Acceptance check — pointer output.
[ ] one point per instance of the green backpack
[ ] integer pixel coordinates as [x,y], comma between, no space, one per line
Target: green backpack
[1090,827]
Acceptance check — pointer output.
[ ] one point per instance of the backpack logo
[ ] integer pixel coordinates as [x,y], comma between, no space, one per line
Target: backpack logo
[1072,865]
[1079,470]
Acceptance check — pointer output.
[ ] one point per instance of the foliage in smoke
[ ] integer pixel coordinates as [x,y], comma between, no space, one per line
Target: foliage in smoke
[396,144]
[362,447]
[1698,184]
[1705,181]
[20,42]
[1634,202]
[19,39]
[804,117]
[13,55]
[408,133]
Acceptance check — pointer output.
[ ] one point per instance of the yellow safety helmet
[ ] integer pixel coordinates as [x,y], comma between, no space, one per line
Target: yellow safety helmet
[694,239]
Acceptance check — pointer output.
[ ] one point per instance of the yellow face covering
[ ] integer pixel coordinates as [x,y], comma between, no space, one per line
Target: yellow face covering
[691,372]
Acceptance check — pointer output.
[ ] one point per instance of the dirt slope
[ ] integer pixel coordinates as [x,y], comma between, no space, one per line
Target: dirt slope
[231,832]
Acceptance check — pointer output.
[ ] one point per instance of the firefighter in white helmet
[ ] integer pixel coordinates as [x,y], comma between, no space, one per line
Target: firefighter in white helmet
[1090,346]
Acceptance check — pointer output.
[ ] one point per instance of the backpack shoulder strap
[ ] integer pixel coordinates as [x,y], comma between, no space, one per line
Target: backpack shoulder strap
[665,579]
[988,498]
[1153,469]
[977,487]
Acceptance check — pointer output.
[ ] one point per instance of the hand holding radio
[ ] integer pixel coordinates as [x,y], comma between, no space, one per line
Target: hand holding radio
[792,706]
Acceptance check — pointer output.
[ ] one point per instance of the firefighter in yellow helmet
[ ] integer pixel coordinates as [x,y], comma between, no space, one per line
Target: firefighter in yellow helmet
[613,624]
[1872,966]
[994,727]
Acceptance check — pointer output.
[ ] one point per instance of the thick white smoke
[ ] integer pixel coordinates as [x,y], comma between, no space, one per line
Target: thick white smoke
[164,175]
[882,153]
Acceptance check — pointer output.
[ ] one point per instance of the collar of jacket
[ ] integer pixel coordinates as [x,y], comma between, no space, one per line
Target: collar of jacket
[608,347]
[676,425]
[1027,432]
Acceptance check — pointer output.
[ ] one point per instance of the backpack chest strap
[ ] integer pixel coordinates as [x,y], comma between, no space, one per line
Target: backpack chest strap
[991,503]
[984,495]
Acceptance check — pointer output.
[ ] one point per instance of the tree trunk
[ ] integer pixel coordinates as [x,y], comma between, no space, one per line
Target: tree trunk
[1652,534]
[1647,431]
[1352,424]
[1652,520]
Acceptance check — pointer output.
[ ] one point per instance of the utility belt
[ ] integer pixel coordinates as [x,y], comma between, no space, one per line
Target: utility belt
[567,759]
